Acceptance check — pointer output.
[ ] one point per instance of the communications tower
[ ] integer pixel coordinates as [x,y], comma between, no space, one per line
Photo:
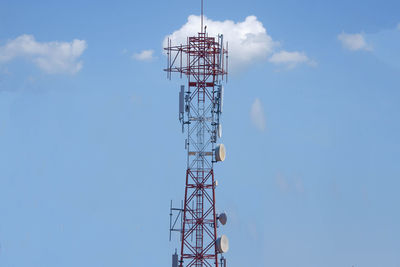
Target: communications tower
[203,60]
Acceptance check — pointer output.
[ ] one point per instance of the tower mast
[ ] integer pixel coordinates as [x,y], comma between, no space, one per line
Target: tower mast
[202,60]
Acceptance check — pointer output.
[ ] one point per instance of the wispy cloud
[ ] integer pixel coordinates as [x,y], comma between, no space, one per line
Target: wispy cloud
[145,55]
[257,115]
[398,26]
[286,185]
[51,57]
[354,41]
[282,183]
[291,59]
[249,41]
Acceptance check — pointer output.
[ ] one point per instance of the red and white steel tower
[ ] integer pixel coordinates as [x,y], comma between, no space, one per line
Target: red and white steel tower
[202,60]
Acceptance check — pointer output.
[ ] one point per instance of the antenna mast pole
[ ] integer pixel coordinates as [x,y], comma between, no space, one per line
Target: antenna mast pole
[201,16]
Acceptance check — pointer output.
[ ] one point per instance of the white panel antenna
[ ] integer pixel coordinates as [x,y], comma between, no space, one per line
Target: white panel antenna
[222,98]
[221,45]
[219,130]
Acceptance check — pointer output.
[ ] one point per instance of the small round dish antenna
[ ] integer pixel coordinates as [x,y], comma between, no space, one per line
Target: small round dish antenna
[223,218]
[223,244]
[220,152]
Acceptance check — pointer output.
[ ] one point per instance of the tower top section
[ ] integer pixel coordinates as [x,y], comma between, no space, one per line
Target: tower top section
[201,55]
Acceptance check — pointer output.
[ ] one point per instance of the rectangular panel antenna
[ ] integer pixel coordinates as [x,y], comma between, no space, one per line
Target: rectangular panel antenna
[181,99]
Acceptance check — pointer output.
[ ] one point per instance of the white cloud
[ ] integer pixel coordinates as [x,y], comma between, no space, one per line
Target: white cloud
[354,41]
[51,57]
[398,26]
[248,40]
[145,55]
[290,59]
[257,115]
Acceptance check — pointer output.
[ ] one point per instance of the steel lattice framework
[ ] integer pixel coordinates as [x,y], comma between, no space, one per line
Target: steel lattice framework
[202,60]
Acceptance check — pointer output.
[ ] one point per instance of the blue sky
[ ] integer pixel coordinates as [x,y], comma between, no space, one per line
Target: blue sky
[91,148]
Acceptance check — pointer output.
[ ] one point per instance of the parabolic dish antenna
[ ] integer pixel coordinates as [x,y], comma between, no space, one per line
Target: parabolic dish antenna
[220,152]
[222,244]
[223,218]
